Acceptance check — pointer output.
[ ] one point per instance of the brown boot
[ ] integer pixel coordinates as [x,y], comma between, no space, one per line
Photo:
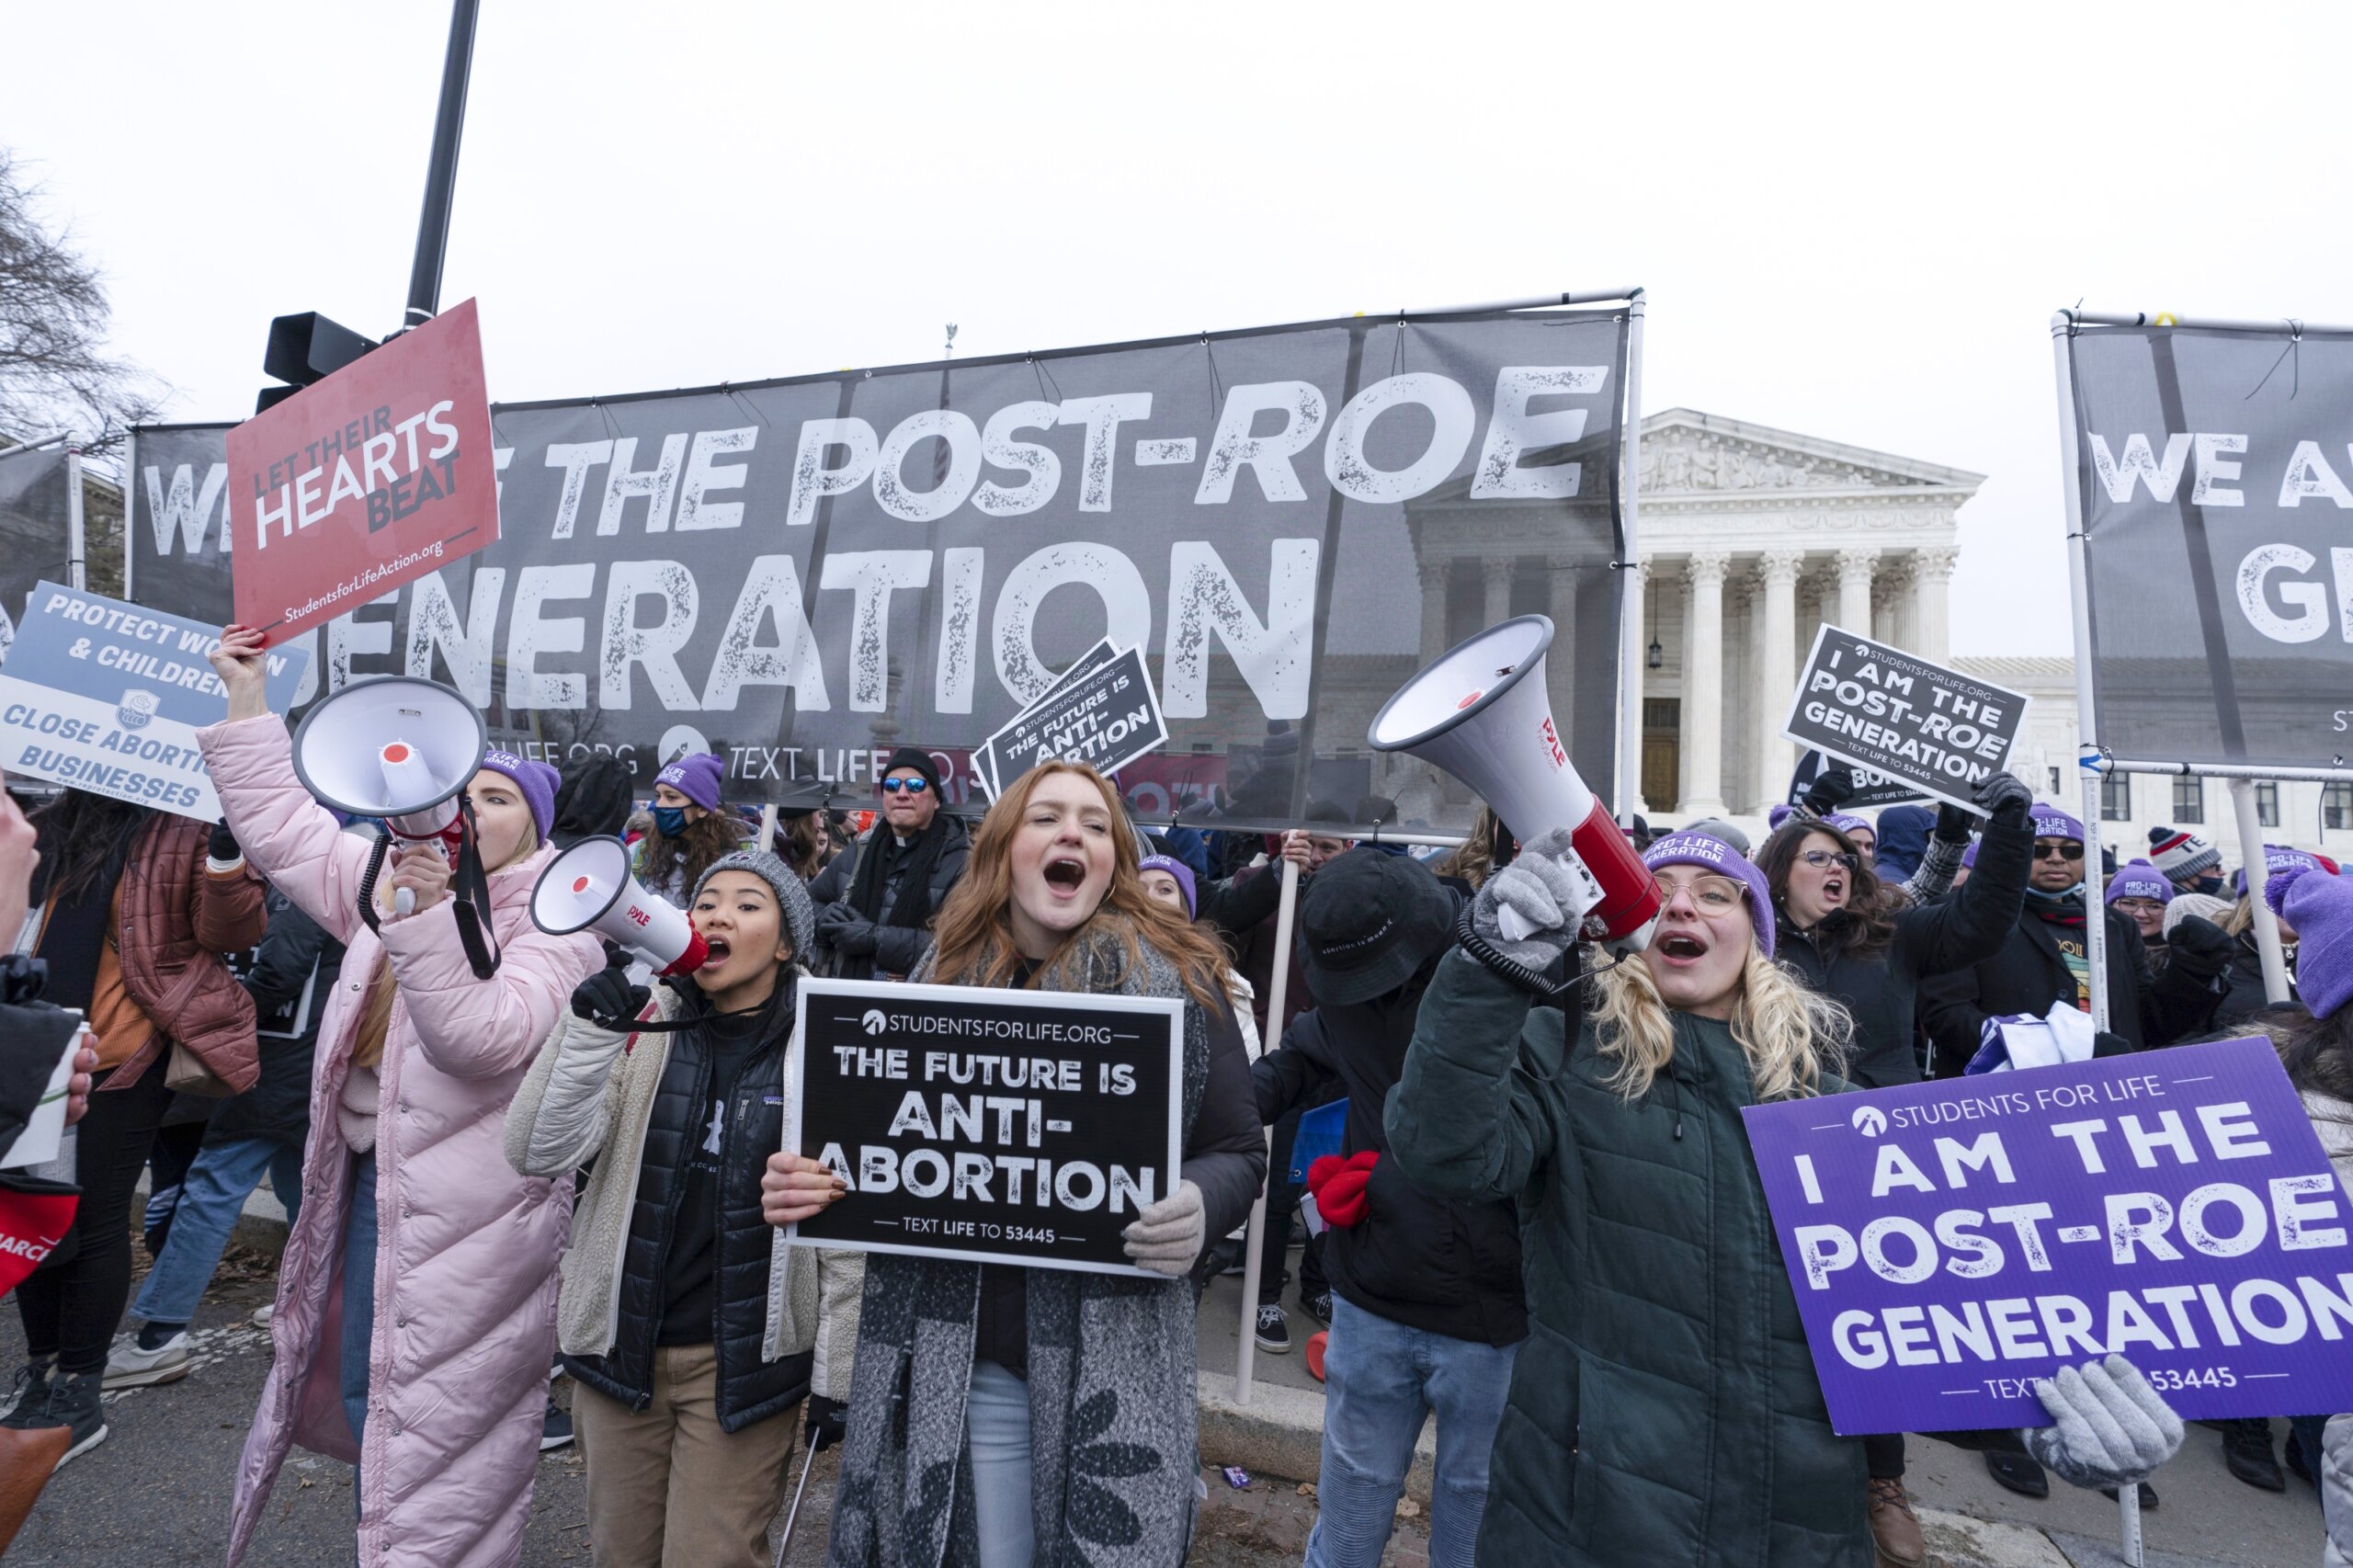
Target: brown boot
[1895,1528]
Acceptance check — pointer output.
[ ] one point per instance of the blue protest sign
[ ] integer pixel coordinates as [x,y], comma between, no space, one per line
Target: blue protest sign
[1950,1243]
[107,696]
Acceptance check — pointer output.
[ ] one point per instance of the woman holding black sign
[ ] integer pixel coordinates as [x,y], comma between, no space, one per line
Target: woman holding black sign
[1002,1412]
[1660,1303]
[692,1330]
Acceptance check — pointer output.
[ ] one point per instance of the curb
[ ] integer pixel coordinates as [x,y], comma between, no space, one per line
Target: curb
[1281,1433]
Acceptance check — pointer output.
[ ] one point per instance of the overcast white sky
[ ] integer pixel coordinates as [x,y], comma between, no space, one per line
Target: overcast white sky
[1852,221]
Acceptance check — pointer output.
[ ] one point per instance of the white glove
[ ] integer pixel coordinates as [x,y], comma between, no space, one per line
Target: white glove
[1541,891]
[2111,1429]
[1166,1238]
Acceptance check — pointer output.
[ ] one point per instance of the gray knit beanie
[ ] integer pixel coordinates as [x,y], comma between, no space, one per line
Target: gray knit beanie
[791,898]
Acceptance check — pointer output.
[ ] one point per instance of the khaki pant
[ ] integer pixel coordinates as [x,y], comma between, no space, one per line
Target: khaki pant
[667,1487]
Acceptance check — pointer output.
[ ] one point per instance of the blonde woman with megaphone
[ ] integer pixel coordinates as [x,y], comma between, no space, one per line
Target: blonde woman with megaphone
[415,1311]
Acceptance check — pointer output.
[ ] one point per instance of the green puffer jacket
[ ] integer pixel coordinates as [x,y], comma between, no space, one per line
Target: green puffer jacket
[1663,1408]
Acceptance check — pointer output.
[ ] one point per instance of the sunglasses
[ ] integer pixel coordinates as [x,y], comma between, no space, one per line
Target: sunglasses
[1819,859]
[1713,894]
[912,786]
[2067,851]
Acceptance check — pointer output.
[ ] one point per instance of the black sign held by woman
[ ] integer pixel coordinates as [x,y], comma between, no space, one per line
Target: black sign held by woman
[1027,1127]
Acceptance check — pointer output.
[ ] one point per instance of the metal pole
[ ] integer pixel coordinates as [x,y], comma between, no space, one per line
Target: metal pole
[1245,1349]
[129,509]
[1532,302]
[2258,872]
[2260,771]
[77,544]
[2088,758]
[2202,324]
[1629,600]
[767,828]
[441,172]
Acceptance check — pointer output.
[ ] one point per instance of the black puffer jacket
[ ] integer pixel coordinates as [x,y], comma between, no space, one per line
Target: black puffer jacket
[897,949]
[291,979]
[1880,989]
[1435,1264]
[2242,994]
[750,1389]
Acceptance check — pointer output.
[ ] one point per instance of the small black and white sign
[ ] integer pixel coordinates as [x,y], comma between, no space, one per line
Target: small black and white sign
[1108,718]
[1023,1127]
[1871,789]
[1901,717]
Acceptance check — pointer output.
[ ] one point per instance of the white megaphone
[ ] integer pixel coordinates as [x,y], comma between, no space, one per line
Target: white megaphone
[589,887]
[1480,713]
[394,747]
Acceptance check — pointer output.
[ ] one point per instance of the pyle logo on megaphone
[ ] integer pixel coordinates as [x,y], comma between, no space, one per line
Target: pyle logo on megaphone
[590,887]
[1480,713]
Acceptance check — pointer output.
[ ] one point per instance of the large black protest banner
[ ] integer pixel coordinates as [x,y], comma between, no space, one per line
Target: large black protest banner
[36,502]
[805,574]
[1901,718]
[1006,1126]
[2215,481]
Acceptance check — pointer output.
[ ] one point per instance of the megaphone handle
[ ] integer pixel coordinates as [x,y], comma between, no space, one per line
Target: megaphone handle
[1510,923]
[405,902]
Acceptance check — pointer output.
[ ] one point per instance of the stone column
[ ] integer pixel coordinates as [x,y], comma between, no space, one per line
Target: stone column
[1776,671]
[1434,575]
[1931,582]
[1854,565]
[1703,683]
[1498,574]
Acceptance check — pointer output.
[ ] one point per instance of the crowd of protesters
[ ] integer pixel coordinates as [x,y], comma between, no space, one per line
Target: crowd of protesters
[1535,1202]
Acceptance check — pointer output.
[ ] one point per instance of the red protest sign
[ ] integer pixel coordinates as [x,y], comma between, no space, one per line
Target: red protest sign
[372,478]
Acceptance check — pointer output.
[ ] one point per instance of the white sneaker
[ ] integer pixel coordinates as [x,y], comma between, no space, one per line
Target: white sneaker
[261,1315]
[128,1367]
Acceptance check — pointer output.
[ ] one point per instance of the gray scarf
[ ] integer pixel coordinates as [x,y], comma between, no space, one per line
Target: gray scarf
[1113,1414]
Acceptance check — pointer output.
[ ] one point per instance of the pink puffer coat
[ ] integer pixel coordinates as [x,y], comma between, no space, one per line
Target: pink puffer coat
[467,1250]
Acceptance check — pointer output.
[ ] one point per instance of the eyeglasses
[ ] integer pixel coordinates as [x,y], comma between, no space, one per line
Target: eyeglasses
[1713,894]
[2070,850]
[912,786]
[1819,858]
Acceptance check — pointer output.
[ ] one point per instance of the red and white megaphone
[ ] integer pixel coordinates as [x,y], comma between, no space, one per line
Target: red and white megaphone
[589,887]
[394,747]
[1480,713]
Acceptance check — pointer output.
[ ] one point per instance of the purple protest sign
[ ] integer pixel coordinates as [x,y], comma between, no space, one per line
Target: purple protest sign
[1951,1242]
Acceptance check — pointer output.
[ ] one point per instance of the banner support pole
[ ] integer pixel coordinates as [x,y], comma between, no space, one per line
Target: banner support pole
[78,543]
[1630,599]
[1245,1348]
[2258,872]
[2088,761]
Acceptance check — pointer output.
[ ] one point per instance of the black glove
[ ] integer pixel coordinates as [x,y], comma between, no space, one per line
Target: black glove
[2105,1045]
[1955,823]
[2005,798]
[608,997]
[2199,948]
[224,843]
[852,937]
[828,1422]
[1831,788]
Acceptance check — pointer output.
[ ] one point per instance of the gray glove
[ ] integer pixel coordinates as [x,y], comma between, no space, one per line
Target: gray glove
[1166,1237]
[1542,890]
[2110,1427]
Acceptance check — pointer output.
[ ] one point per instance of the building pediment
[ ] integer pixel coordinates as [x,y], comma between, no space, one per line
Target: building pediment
[1686,452]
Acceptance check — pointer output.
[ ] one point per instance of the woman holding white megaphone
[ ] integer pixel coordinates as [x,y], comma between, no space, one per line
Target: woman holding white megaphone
[693,1332]
[1661,1307]
[416,1298]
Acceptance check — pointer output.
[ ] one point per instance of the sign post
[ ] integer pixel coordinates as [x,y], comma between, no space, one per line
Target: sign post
[1022,1127]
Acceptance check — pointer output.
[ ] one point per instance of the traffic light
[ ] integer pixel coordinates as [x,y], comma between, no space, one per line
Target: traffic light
[306,349]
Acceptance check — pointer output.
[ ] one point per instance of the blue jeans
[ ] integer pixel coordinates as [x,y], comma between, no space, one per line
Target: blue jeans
[1381,1379]
[997,1433]
[213,1195]
[358,1292]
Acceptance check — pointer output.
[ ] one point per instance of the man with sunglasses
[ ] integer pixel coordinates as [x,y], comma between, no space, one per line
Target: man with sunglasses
[875,903]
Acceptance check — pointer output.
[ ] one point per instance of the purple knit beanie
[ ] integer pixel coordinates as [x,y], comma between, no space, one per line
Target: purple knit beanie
[536,780]
[696,777]
[2277,859]
[1775,817]
[1847,822]
[2321,909]
[1180,871]
[2139,879]
[1968,856]
[2050,822]
[1714,855]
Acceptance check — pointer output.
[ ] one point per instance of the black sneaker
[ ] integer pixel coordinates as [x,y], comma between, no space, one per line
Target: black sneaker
[555,1429]
[2018,1472]
[1274,1331]
[2246,1450]
[73,1402]
[2298,1463]
[1318,1306]
[29,1394]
